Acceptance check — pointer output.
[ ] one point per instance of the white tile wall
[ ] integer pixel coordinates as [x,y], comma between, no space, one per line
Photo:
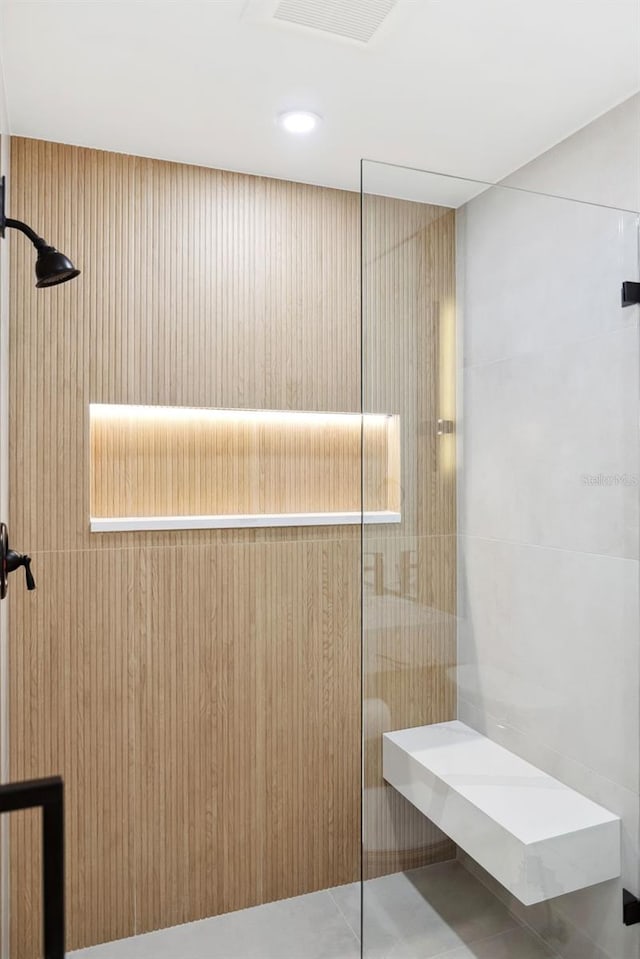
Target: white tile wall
[544,432]
[549,632]
[598,164]
[546,647]
[543,272]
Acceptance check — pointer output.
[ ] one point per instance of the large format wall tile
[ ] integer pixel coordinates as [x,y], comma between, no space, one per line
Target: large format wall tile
[549,452]
[542,272]
[598,164]
[548,495]
[547,643]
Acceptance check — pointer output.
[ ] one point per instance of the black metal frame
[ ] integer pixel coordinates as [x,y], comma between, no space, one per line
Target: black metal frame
[630,908]
[49,794]
[630,293]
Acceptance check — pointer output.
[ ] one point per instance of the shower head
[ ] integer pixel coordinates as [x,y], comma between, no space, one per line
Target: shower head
[52,267]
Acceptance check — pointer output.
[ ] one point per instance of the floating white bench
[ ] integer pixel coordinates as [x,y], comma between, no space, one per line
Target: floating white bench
[536,836]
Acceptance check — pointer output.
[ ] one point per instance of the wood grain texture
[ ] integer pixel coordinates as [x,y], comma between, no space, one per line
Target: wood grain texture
[409,611]
[72,700]
[199,690]
[206,725]
[199,288]
[263,808]
[159,461]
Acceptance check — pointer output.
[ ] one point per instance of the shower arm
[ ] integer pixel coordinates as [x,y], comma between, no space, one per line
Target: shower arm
[8,222]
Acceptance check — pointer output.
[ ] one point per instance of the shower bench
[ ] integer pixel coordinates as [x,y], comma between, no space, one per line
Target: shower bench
[536,836]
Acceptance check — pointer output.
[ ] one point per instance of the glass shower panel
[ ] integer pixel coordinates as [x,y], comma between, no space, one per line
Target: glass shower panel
[501,703]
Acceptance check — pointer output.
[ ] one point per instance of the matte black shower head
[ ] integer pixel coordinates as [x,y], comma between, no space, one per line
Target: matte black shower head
[52,267]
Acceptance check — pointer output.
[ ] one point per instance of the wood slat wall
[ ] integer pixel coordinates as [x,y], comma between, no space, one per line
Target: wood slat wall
[149,461]
[198,690]
[409,611]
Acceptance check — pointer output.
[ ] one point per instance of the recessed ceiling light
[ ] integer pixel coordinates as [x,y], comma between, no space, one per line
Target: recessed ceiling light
[298,121]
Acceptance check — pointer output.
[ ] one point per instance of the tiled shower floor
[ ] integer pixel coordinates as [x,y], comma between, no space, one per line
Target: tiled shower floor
[440,911]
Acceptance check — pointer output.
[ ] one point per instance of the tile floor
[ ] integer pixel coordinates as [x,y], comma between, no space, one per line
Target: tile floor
[441,911]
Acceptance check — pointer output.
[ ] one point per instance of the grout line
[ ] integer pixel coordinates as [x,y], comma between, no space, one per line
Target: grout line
[460,536]
[556,549]
[87,952]
[342,912]
[501,184]
[588,771]
[234,544]
[499,935]
[520,923]
[632,324]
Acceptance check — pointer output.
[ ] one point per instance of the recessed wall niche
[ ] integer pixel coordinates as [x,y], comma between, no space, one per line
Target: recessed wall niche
[158,467]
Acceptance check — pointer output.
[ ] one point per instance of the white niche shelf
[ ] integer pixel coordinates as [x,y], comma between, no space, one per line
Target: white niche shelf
[179,468]
[536,836]
[112,524]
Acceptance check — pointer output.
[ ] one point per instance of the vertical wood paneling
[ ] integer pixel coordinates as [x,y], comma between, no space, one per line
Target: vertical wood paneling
[198,690]
[409,626]
[154,461]
[199,288]
[159,673]
[71,712]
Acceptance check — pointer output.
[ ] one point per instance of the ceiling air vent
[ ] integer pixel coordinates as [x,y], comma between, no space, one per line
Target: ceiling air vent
[351,19]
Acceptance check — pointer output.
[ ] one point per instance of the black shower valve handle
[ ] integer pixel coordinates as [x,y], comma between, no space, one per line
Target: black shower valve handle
[15,560]
[28,575]
[10,560]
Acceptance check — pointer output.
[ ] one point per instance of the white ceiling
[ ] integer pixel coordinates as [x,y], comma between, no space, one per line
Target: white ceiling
[470,87]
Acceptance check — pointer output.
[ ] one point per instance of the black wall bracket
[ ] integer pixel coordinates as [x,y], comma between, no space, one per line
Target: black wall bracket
[630,908]
[630,293]
[49,794]
[3,219]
